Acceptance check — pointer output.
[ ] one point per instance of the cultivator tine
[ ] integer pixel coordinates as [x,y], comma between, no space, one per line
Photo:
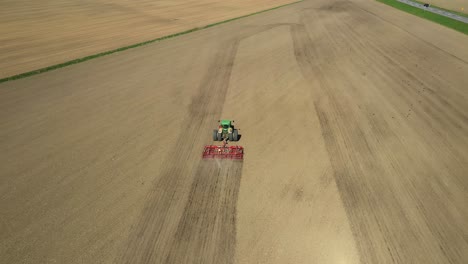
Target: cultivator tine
[223,152]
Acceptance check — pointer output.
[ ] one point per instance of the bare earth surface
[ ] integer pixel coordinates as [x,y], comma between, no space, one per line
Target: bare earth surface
[37,34]
[354,117]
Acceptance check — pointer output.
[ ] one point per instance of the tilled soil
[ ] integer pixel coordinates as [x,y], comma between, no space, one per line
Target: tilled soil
[353,115]
[37,34]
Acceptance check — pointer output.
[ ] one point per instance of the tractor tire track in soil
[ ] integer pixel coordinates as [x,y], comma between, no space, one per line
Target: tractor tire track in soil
[330,112]
[202,224]
[361,176]
[206,233]
[161,226]
[102,160]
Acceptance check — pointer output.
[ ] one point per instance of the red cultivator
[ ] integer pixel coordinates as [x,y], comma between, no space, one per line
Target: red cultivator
[223,152]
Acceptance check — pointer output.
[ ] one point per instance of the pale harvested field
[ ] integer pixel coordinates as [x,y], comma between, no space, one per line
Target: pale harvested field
[354,117]
[455,5]
[37,34]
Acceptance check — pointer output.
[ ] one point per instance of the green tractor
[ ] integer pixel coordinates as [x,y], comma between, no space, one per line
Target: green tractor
[225,131]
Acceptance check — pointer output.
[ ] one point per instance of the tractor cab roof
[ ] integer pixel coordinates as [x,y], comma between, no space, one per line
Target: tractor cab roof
[226,122]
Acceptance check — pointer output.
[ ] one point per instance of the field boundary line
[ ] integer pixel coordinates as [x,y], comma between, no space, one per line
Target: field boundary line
[436,10]
[105,53]
[425,14]
[410,33]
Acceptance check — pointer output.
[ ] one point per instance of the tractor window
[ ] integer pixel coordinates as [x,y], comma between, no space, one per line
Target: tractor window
[225,126]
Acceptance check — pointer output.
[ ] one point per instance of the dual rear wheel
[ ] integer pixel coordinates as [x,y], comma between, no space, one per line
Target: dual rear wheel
[234,136]
[217,136]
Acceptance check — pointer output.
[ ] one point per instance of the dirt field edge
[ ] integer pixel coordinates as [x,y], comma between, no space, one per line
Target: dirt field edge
[105,53]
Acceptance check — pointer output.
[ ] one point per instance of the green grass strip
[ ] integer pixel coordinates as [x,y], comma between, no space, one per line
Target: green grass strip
[75,61]
[448,10]
[442,20]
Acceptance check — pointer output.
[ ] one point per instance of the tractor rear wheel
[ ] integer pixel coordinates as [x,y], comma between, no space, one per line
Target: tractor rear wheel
[215,135]
[235,135]
[219,136]
[230,137]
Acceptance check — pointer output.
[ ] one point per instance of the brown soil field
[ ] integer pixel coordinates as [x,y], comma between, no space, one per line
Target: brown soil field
[37,34]
[353,115]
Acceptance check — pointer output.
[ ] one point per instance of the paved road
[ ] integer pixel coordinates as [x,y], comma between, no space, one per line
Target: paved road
[436,11]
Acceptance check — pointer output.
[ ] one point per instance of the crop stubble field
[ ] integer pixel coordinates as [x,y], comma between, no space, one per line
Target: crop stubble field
[354,120]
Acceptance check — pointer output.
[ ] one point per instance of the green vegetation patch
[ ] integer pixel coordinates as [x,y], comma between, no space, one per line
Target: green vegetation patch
[445,21]
[448,10]
[75,61]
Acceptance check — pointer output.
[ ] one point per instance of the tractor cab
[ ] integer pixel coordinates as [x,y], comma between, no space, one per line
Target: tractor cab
[225,124]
